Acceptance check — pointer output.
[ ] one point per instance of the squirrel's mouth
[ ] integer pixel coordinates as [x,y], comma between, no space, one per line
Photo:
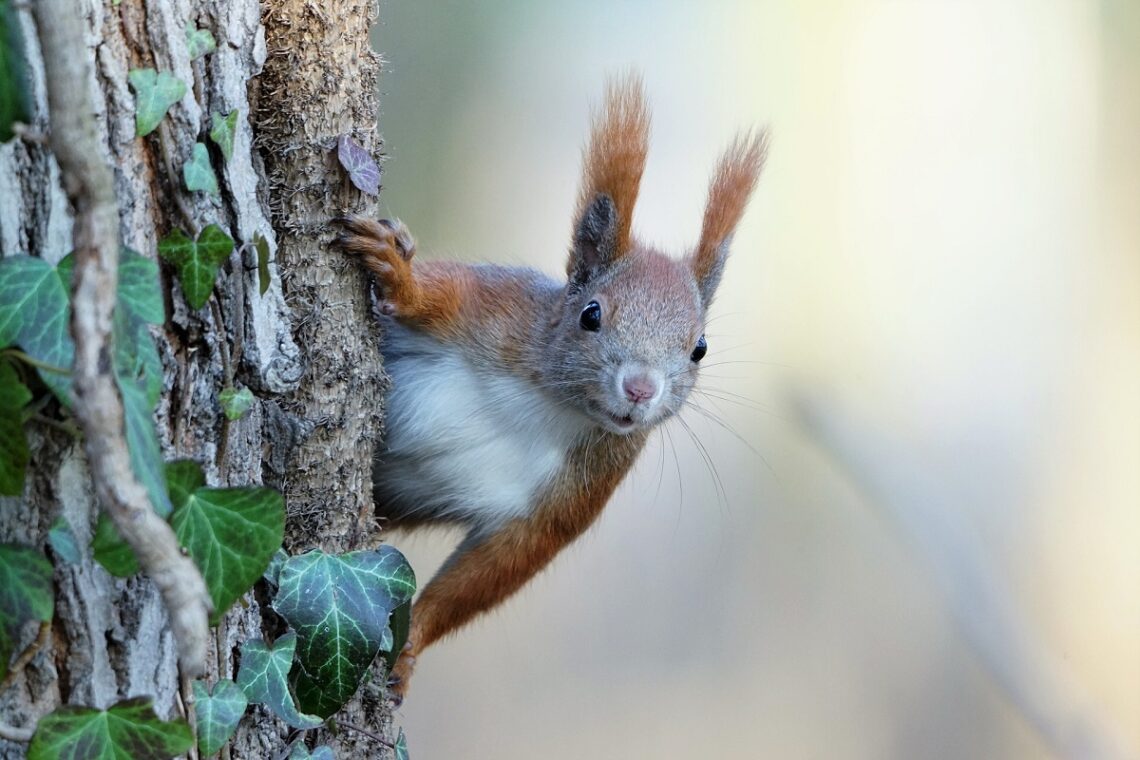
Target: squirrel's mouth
[617,422]
[622,422]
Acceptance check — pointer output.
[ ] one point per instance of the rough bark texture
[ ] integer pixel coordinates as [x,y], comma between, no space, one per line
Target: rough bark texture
[306,347]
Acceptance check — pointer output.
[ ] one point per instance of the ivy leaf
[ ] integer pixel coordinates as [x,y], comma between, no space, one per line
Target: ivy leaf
[111,551]
[264,677]
[14,395]
[230,532]
[301,752]
[223,130]
[218,714]
[142,440]
[62,540]
[197,172]
[199,41]
[359,164]
[155,93]
[401,624]
[339,605]
[197,260]
[34,313]
[262,246]
[129,729]
[272,573]
[15,96]
[140,294]
[235,403]
[25,594]
[401,747]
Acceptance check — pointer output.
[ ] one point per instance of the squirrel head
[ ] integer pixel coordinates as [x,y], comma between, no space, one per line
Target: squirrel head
[627,342]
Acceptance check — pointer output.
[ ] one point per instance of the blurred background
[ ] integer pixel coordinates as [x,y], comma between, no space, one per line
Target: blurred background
[912,529]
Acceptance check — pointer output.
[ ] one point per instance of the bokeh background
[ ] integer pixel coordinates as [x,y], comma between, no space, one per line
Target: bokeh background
[910,525]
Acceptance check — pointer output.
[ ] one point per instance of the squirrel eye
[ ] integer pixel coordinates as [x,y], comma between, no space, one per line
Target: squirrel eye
[701,349]
[591,318]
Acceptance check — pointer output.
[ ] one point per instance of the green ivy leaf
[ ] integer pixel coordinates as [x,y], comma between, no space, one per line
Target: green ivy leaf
[197,260]
[262,246]
[401,624]
[142,441]
[129,729]
[14,395]
[62,540]
[300,752]
[34,313]
[264,677]
[235,403]
[140,293]
[155,93]
[272,573]
[183,478]
[111,551]
[198,173]
[230,532]
[15,95]
[401,747]
[339,605]
[25,594]
[223,130]
[199,41]
[218,714]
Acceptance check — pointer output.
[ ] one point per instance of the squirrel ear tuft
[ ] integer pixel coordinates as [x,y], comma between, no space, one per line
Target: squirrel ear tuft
[595,240]
[612,165]
[732,183]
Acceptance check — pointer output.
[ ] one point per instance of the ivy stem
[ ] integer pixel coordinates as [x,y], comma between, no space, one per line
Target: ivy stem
[18,354]
[27,655]
[164,142]
[366,732]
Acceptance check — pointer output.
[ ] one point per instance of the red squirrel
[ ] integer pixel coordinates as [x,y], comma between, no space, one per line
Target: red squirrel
[519,402]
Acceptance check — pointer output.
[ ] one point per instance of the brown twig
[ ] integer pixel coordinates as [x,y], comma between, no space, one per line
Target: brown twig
[98,406]
[27,655]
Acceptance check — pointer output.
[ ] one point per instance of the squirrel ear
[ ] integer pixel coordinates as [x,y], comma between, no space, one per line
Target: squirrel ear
[595,240]
[612,164]
[732,183]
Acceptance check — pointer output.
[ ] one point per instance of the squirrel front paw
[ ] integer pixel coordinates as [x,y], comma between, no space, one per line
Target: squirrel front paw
[386,247]
[401,674]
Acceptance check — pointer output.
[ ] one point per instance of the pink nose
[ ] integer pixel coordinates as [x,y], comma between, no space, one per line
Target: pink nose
[639,389]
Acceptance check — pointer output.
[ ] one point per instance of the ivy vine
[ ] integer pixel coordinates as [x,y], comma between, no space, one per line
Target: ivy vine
[343,611]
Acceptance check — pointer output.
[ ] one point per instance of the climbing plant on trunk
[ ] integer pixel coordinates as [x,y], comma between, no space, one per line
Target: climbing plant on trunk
[190,387]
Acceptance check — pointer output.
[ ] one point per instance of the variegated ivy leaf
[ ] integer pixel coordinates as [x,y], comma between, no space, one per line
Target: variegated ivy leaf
[264,677]
[129,729]
[339,605]
[231,533]
[218,714]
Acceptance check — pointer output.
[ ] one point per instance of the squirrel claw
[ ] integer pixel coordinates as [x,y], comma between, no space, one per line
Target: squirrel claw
[386,247]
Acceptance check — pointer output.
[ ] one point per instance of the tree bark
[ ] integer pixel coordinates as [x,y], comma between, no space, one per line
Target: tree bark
[306,347]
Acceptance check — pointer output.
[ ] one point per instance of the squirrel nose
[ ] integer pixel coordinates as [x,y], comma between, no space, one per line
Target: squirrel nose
[639,388]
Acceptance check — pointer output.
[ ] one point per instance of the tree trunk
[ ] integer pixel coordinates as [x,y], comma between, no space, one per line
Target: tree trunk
[300,73]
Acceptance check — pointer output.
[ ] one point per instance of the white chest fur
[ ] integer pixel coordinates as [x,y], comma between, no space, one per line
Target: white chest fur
[473,445]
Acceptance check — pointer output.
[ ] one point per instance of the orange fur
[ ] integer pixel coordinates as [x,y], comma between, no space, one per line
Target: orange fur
[614,159]
[498,566]
[731,185]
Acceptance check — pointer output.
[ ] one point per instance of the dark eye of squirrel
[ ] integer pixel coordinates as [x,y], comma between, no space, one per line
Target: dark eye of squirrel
[591,318]
[701,349]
